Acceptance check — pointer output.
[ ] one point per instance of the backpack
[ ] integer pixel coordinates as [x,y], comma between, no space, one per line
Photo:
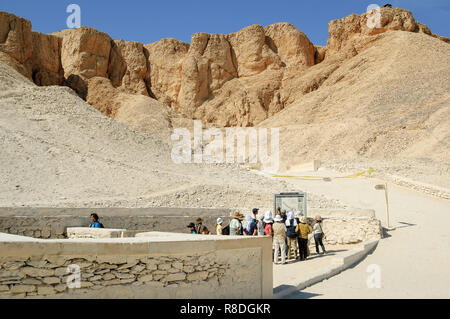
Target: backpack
[101,225]
[226,230]
[290,230]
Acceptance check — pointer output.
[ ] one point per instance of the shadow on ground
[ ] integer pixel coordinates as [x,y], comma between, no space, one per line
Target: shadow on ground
[301,295]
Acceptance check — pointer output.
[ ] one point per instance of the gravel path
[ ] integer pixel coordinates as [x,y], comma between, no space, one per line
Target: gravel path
[414,259]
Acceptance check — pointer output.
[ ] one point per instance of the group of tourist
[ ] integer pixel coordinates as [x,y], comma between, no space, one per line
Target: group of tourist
[289,232]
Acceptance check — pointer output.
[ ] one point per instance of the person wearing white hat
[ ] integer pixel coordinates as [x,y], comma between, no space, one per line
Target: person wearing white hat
[268,222]
[292,235]
[279,239]
[219,226]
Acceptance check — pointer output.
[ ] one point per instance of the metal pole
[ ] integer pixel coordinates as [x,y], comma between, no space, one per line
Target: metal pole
[387,205]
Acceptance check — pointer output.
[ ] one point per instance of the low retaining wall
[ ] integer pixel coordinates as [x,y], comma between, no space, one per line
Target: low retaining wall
[53,222]
[153,265]
[349,226]
[84,232]
[340,226]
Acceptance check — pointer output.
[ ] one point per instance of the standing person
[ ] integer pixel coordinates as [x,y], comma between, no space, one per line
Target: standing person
[191,227]
[219,227]
[241,228]
[279,239]
[250,228]
[235,224]
[198,225]
[205,231]
[255,213]
[303,230]
[95,221]
[291,234]
[319,235]
[284,215]
[261,226]
[268,222]
[278,211]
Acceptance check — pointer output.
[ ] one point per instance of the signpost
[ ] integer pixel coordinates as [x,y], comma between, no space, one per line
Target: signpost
[384,187]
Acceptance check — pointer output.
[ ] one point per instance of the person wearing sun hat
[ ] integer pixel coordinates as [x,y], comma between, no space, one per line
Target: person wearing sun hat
[319,234]
[198,225]
[291,234]
[303,230]
[268,222]
[235,224]
[279,239]
[219,227]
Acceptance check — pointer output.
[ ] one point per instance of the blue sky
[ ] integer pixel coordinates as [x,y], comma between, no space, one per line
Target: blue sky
[148,21]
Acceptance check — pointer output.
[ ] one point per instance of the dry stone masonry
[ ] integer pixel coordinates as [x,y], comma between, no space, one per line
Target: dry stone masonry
[151,266]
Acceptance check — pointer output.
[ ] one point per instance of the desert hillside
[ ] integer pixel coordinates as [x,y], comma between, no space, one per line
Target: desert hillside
[86,119]
[58,151]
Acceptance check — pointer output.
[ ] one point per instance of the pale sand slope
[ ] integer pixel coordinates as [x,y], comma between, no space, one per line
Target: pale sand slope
[59,151]
[391,101]
[414,259]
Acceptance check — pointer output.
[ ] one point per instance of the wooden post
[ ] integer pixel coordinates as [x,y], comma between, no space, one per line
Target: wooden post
[387,205]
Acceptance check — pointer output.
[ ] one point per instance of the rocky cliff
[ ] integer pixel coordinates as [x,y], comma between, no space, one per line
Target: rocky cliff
[238,79]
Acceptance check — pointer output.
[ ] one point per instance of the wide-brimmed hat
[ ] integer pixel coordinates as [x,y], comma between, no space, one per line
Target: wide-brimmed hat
[268,217]
[219,220]
[236,215]
[199,220]
[303,220]
[191,225]
[278,218]
[318,218]
[241,217]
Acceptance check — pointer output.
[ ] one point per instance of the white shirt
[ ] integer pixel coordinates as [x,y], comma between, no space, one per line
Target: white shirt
[317,229]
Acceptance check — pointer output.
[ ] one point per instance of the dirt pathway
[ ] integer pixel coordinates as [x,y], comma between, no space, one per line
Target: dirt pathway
[414,260]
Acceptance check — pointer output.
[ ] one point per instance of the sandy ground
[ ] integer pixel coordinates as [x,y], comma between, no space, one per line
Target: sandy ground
[414,259]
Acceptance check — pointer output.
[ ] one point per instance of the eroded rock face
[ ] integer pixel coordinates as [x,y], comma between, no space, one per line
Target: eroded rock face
[46,64]
[238,79]
[15,37]
[135,64]
[85,52]
[347,32]
[253,54]
[292,46]
[166,59]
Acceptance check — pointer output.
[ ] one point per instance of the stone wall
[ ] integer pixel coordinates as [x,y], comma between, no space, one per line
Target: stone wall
[85,232]
[150,266]
[340,226]
[53,222]
[349,226]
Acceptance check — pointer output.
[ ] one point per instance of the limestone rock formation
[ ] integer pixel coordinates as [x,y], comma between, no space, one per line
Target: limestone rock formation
[166,59]
[346,33]
[237,79]
[46,67]
[15,37]
[135,64]
[85,52]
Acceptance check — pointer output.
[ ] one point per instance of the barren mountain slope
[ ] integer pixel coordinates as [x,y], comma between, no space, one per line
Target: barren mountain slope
[390,100]
[58,151]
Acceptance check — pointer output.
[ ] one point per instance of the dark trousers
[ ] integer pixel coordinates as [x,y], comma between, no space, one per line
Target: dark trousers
[318,240]
[303,248]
